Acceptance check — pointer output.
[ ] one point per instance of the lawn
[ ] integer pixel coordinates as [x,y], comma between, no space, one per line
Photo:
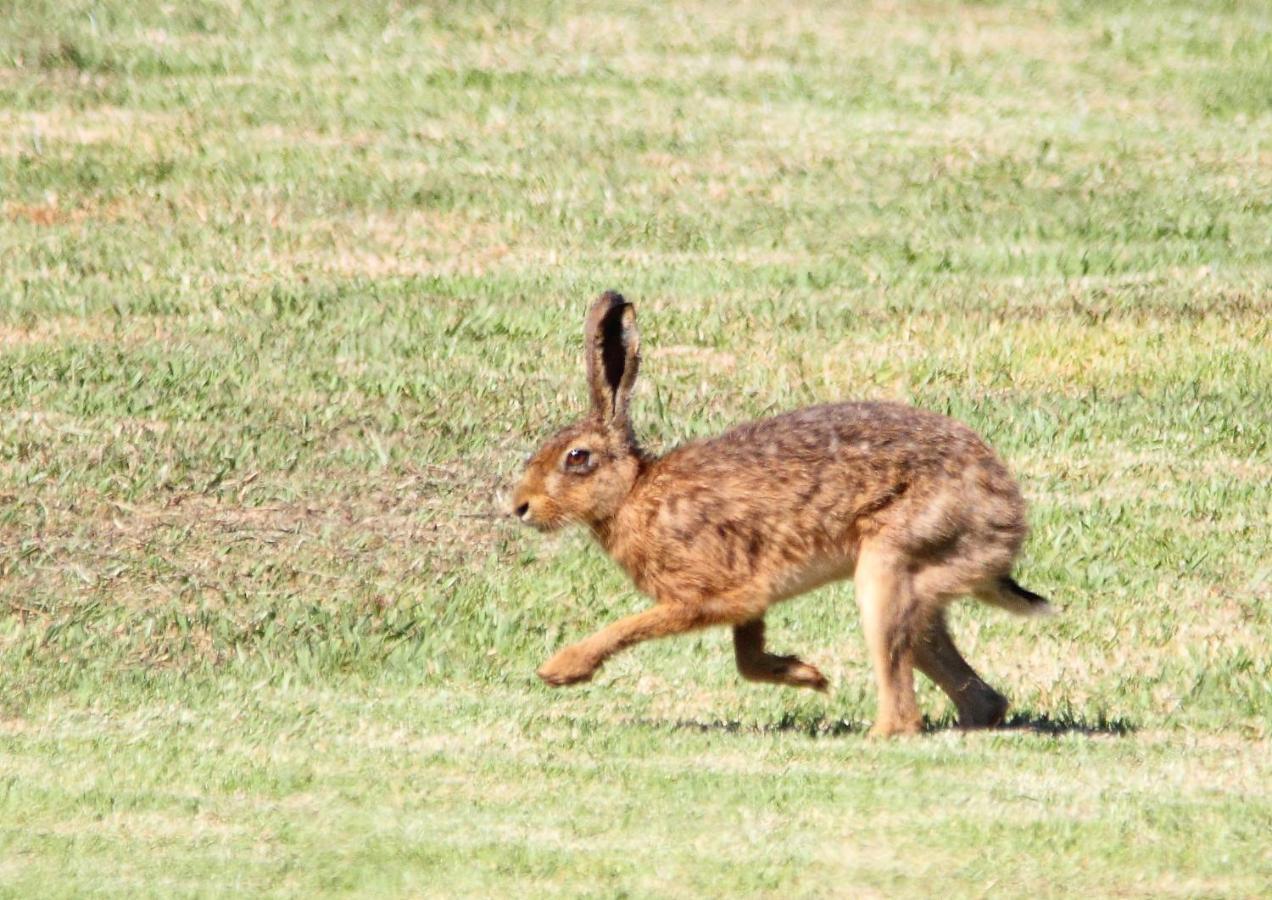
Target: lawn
[289,290]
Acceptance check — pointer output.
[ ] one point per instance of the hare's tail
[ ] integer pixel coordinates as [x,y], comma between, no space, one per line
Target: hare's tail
[1008,595]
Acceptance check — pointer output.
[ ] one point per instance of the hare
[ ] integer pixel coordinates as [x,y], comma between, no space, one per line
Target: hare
[910,504]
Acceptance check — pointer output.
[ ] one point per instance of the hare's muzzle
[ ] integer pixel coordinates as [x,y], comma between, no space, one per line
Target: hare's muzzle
[519,508]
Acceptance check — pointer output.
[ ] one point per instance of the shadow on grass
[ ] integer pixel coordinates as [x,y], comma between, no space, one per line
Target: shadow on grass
[816,727]
[823,727]
[1044,723]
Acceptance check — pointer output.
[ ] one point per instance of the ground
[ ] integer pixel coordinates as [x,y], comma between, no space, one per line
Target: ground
[288,291]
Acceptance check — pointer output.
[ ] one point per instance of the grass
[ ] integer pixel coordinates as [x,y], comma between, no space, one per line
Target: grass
[287,291]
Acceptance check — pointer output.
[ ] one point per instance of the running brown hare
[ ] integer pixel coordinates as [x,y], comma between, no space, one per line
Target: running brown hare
[910,504]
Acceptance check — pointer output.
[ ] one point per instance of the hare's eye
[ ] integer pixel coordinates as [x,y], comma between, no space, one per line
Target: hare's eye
[577,457]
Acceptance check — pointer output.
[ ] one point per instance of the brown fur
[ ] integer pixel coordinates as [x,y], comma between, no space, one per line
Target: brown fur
[912,505]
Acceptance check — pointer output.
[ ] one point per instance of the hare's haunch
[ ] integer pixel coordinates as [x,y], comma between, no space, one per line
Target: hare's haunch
[912,505]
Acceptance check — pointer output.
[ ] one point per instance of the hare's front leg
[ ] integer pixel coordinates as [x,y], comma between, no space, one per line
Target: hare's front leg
[578,662]
[889,617]
[756,665]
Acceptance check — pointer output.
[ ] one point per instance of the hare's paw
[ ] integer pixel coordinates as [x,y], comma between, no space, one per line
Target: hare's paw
[570,666]
[797,673]
[788,670]
[889,727]
[983,709]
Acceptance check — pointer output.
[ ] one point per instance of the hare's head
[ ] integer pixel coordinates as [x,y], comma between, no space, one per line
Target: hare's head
[583,473]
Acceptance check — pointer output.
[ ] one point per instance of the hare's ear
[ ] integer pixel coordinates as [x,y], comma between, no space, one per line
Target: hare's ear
[613,356]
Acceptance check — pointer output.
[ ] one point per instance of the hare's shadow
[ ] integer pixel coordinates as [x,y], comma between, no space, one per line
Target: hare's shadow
[1067,723]
[825,727]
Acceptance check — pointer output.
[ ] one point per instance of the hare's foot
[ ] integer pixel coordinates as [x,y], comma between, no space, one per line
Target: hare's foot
[756,665]
[986,709]
[894,726]
[572,665]
[788,670]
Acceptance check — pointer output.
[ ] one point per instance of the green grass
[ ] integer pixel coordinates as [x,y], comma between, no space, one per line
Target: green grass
[287,291]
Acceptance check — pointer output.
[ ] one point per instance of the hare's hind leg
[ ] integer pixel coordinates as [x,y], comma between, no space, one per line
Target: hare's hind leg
[890,617]
[979,705]
[756,665]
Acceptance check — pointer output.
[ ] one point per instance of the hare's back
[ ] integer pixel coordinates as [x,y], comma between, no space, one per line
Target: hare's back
[826,441]
[839,462]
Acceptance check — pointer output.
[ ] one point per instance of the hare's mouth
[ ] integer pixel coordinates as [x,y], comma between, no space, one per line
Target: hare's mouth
[542,525]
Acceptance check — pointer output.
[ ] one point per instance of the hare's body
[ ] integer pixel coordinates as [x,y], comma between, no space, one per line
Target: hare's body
[772,509]
[912,504]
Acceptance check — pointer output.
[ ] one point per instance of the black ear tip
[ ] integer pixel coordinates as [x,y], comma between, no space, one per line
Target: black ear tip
[609,306]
